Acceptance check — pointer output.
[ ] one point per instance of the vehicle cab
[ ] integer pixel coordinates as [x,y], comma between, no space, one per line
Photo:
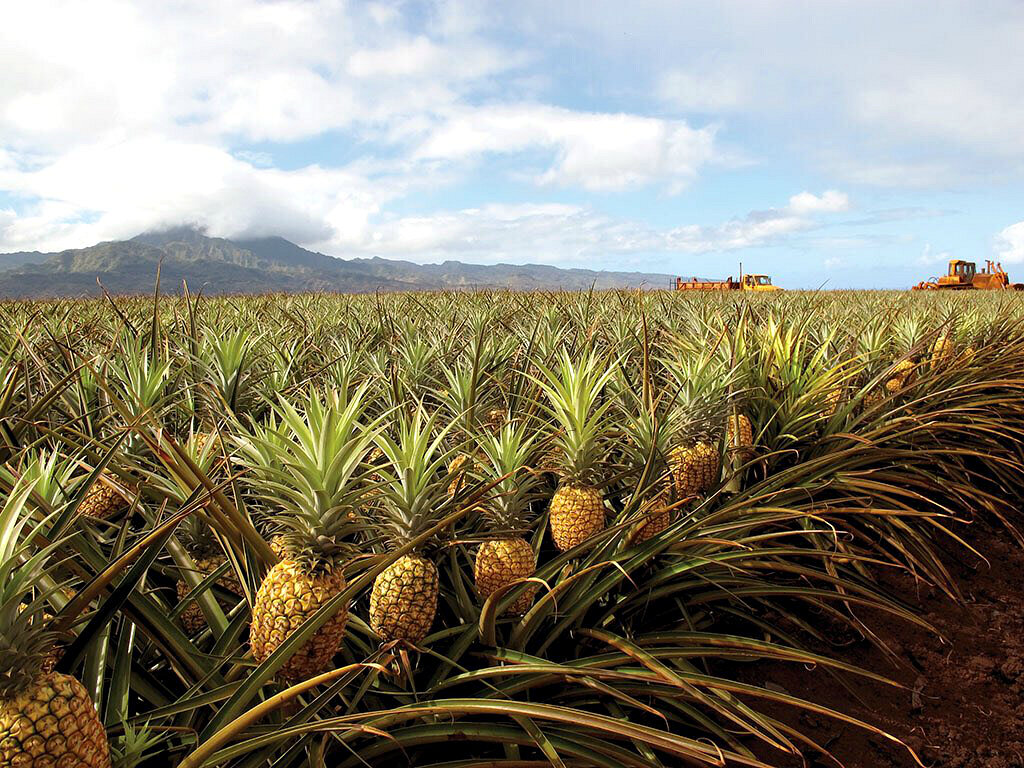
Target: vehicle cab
[759,283]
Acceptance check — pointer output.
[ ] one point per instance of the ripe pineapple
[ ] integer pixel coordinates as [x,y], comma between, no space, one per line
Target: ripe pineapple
[46,717]
[403,601]
[496,418]
[104,499]
[695,468]
[309,466]
[645,453]
[902,374]
[457,469]
[574,391]
[942,349]
[832,398]
[505,557]
[739,434]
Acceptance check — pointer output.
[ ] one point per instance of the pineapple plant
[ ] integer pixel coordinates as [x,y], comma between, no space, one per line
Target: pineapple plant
[307,466]
[403,601]
[506,556]
[694,460]
[46,717]
[574,393]
[646,449]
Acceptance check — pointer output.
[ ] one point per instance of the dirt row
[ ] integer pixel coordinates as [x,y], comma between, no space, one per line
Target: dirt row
[964,700]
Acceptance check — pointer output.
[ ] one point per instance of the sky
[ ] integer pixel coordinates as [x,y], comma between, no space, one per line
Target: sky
[830,144]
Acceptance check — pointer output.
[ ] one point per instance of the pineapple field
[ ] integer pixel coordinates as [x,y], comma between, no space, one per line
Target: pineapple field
[581,530]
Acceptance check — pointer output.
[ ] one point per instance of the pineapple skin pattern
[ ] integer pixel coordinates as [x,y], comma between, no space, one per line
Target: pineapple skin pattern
[192,617]
[52,723]
[500,562]
[653,523]
[694,469]
[102,502]
[577,513]
[288,596]
[403,601]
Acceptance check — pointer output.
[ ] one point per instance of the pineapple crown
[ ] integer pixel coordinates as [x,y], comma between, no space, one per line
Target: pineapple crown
[578,408]
[701,379]
[310,466]
[508,461]
[24,637]
[50,475]
[416,478]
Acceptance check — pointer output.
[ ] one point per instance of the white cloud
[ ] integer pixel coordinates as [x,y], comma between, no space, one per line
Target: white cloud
[832,201]
[929,256]
[1010,243]
[117,190]
[931,87]
[596,151]
[575,235]
[282,70]
[700,91]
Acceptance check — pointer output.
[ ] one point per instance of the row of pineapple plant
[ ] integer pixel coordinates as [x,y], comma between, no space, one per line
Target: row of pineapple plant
[607,443]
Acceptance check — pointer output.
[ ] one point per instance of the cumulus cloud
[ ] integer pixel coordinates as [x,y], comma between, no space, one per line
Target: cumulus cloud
[904,94]
[1010,243]
[572,234]
[117,190]
[592,150]
[283,70]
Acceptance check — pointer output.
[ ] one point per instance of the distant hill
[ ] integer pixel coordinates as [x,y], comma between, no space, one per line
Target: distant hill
[215,265]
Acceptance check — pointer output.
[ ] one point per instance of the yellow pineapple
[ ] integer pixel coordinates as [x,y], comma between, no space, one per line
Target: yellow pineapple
[832,399]
[903,373]
[576,514]
[311,467]
[695,468]
[291,592]
[496,419]
[415,496]
[403,602]
[574,391]
[739,434]
[104,499]
[505,556]
[501,562]
[46,718]
[457,468]
[942,349]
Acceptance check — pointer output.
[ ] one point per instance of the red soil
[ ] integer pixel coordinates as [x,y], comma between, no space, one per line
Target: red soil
[964,703]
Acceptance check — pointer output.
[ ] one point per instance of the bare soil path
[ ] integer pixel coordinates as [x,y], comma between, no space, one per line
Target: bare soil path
[965,703]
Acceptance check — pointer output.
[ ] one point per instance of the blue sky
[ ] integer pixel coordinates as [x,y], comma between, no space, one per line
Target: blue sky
[837,144]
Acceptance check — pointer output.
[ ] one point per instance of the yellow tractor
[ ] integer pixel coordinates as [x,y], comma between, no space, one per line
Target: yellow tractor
[963,276]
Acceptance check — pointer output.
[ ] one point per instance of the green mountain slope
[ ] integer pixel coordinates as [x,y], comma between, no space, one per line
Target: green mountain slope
[215,265]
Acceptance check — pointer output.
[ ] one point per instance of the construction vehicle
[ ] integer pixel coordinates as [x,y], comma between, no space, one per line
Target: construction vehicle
[745,283]
[963,276]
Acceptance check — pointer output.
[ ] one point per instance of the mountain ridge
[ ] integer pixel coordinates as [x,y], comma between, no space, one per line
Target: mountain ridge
[273,264]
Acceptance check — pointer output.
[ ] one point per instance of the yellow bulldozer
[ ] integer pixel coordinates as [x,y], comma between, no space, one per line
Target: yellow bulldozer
[964,276]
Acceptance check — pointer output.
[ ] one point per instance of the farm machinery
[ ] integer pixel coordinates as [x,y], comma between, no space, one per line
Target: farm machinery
[964,276]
